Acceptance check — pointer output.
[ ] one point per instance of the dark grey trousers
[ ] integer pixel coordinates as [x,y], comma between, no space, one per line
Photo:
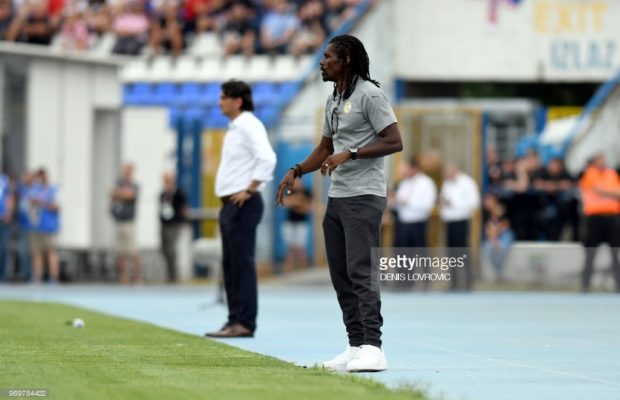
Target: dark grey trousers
[169,238]
[352,226]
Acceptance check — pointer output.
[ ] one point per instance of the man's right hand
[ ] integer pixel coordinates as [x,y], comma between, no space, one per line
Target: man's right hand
[286,184]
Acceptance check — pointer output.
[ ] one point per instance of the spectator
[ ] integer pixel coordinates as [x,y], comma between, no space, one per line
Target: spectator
[515,176]
[239,34]
[6,212]
[45,219]
[493,171]
[25,190]
[202,15]
[415,199]
[131,28]
[32,25]
[559,203]
[295,229]
[523,203]
[167,27]
[498,235]
[602,212]
[459,199]
[98,16]
[6,17]
[75,30]
[56,8]
[337,12]
[278,28]
[172,213]
[124,198]
[311,33]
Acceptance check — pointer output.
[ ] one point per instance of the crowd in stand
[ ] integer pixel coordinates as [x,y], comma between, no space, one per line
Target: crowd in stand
[30,223]
[524,199]
[540,201]
[243,26]
[29,213]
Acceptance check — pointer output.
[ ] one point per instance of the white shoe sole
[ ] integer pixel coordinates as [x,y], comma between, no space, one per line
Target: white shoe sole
[342,368]
[366,370]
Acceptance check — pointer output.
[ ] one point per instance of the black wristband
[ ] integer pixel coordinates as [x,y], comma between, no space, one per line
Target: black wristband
[296,171]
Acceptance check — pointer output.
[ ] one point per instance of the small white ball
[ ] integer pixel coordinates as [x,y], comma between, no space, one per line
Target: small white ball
[78,323]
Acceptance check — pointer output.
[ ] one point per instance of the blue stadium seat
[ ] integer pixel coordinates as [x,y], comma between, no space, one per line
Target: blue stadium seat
[269,115]
[193,114]
[264,93]
[190,94]
[212,94]
[214,119]
[287,92]
[165,94]
[174,115]
[138,94]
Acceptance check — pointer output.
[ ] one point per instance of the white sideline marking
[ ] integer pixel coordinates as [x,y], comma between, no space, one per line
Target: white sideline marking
[553,371]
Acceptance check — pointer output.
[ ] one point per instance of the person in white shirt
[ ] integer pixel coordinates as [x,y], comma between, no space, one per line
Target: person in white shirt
[459,199]
[247,163]
[414,201]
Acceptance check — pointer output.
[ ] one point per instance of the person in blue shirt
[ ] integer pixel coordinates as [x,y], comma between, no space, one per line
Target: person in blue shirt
[24,189]
[6,213]
[45,223]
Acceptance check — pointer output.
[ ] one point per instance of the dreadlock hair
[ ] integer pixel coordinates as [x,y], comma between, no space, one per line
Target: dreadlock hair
[359,63]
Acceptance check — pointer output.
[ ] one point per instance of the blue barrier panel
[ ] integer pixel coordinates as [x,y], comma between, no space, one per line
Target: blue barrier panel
[288,155]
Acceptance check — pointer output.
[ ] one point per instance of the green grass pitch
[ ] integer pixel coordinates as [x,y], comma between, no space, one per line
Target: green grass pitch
[113,358]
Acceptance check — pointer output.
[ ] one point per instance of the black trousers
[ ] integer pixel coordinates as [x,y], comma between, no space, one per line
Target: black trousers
[601,229]
[238,229]
[169,238]
[352,226]
[457,233]
[410,234]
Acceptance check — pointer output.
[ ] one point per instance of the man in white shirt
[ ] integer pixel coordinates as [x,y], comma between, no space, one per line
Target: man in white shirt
[248,162]
[459,199]
[414,201]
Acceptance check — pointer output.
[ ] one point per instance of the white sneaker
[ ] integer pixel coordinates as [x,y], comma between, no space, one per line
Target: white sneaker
[368,359]
[339,363]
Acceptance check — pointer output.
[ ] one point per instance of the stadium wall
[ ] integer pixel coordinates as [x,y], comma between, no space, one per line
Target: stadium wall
[76,128]
[149,144]
[62,100]
[512,40]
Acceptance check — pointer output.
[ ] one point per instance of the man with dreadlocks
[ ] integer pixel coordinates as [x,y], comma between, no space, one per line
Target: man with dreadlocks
[360,129]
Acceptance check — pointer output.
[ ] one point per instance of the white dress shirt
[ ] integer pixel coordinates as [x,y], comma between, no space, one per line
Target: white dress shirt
[246,156]
[459,198]
[415,198]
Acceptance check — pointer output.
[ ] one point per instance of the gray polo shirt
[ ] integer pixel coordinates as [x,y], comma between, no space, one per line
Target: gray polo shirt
[356,122]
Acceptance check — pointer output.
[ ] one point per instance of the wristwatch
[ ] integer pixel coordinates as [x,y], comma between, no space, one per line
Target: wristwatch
[353,151]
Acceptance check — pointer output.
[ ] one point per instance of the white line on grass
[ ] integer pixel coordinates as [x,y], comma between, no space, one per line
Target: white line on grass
[553,371]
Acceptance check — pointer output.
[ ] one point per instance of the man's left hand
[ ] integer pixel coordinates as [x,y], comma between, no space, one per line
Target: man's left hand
[333,161]
[239,198]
